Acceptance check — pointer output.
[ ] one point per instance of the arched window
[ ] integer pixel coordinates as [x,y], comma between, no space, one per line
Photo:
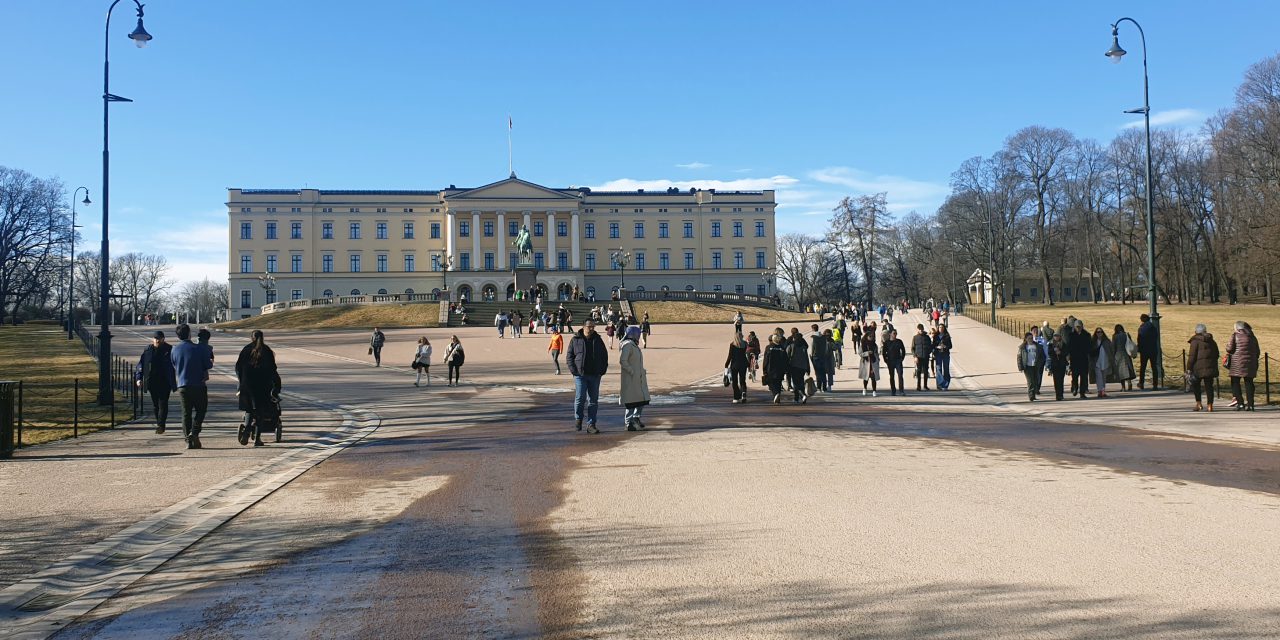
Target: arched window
[639,288]
[666,288]
[688,287]
[464,291]
[489,292]
[382,292]
[435,293]
[591,293]
[355,292]
[328,293]
[408,292]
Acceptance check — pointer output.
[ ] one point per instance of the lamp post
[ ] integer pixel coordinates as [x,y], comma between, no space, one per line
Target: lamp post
[766,277]
[621,257]
[448,266]
[71,268]
[991,276]
[267,282]
[1116,53]
[140,37]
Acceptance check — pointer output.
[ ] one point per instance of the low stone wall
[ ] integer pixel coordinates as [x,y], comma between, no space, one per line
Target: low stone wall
[391,298]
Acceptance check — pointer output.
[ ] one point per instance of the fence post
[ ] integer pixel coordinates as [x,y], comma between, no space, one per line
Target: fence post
[18,444]
[1266,367]
[75,412]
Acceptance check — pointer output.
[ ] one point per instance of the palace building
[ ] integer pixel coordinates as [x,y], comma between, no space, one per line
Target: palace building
[321,244]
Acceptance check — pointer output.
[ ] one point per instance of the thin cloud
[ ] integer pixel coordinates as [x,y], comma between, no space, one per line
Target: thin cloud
[904,194]
[742,184]
[694,165]
[1170,117]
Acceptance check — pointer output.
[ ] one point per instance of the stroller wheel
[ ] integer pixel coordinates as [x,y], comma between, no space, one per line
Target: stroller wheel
[242,435]
[279,431]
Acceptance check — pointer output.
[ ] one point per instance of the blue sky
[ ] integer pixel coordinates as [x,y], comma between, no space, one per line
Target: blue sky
[817,100]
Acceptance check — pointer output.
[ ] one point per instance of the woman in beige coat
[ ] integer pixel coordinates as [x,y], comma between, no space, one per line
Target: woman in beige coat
[634,393]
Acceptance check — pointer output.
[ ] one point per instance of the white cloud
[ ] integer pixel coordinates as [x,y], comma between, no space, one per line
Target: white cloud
[694,165]
[1170,117]
[741,184]
[183,270]
[904,194]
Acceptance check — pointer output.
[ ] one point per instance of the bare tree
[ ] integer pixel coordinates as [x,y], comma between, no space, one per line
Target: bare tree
[861,220]
[33,227]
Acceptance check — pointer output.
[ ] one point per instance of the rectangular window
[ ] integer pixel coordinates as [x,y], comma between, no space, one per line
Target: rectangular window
[664,230]
[271,231]
[355,263]
[382,231]
[382,263]
[246,298]
[591,261]
[1083,292]
[760,290]
[464,229]
[1035,293]
[737,228]
[562,229]
[688,259]
[717,288]
[295,263]
[511,259]
[688,229]
[738,262]
[513,228]
[326,231]
[639,229]
[408,231]
[539,261]
[436,264]
[246,264]
[488,261]
[737,288]
[326,264]
[716,261]
[295,230]
[408,263]
[246,209]
[759,228]
[760,260]
[538,228]
[639,261]
[562,260]
[664,260]
[271,264]
[296,294]
[435,230]
[589,230]
[246,230]
[715,229]
[355,231]
[1017,292]
[1066,291]
[488,228]
[465,261]
[613,230]
[271,296]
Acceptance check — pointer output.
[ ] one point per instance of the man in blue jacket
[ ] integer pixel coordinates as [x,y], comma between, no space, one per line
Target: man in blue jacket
[588,361]
[191,363]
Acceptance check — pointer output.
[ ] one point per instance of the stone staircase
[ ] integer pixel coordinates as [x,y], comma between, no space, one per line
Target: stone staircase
[481,314]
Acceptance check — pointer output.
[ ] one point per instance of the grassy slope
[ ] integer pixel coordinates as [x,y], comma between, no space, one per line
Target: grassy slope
[48,364]
[668,312]
[345,317]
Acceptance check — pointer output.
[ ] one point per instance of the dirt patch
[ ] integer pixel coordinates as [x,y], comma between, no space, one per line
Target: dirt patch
[705,313]
[346,317]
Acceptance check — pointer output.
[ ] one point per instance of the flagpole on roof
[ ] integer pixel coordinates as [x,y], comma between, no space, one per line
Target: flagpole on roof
[510,167]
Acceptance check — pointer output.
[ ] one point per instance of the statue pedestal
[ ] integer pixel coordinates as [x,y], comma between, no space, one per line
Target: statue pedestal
[526,276]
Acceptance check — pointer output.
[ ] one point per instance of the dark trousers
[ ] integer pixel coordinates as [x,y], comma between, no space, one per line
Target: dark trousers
[820,374]
[895,368]
[455,372]
[377,356]
[1058,378]
[775,386]
[160,403]
[195,403]
[795,377]
[1205,386]
[1247,398]
[1143,359]
[1079,380]
[922,372]
[739,379]
[1034,374]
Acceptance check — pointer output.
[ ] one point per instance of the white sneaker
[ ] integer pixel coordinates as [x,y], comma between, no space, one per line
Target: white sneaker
[873,394]
[735,401]
[864,392]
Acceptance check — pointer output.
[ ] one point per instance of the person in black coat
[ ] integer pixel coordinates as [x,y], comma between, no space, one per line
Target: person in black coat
[259,385]
[736,363]
[942,346]
[156,376]
[1079,351]
[894,352]
[1058,357]
[777,365]
[921,348]
[797,364]
[1148,349]
[588,360]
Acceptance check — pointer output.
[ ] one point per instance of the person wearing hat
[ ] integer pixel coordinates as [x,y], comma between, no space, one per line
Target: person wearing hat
[155,375]
[634,391]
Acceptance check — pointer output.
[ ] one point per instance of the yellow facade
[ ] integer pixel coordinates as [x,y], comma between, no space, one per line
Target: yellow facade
[319,243]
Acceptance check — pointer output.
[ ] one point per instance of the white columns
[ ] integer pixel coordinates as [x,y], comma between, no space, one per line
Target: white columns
[450,239]
[574,246]
[476,263]
[526,222]
[502,240]
[551,241]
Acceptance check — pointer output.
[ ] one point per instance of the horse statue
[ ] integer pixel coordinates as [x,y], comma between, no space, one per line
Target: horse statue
[524,246]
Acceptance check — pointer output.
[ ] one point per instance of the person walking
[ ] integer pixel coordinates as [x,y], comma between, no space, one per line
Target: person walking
[776,366]
[1202,364]
[1080,347]
[1101,355]
[500,321]
[837,343]
[797,365]
[633,393]
[646,328]
[819,349]
[454,357]
[829,361]
[375,346]
[921,348]
[737,322]
[1122,366]
[895,352]
[556,346]
[1031,364]
[191,365]
[588,360]
[259,391]
[1148,347]
[736,366]
[202,339]
[1242,364]
[1058,357]
[155,375]
[942,346]
[422,362]
[869,367]
[753,355]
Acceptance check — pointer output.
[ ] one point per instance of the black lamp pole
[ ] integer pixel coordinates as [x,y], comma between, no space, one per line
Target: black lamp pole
[1116,53]
[71,276]
[140,37]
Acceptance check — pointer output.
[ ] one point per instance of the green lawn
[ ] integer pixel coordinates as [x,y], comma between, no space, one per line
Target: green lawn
[700,312]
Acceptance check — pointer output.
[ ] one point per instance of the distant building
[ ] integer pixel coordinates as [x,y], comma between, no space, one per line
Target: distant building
[1027,285]
[324,244]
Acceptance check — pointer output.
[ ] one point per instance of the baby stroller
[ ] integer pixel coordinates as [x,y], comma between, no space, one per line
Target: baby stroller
[264,418]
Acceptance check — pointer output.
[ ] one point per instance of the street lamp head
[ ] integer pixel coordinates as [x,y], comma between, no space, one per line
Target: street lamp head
[140,36]
[86,198]
[1115,52]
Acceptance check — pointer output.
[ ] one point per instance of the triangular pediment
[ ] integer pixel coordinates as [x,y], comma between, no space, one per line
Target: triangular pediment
[513,189]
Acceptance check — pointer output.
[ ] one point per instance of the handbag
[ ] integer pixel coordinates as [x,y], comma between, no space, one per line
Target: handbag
[370,350]
[810,387]
[726,377]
